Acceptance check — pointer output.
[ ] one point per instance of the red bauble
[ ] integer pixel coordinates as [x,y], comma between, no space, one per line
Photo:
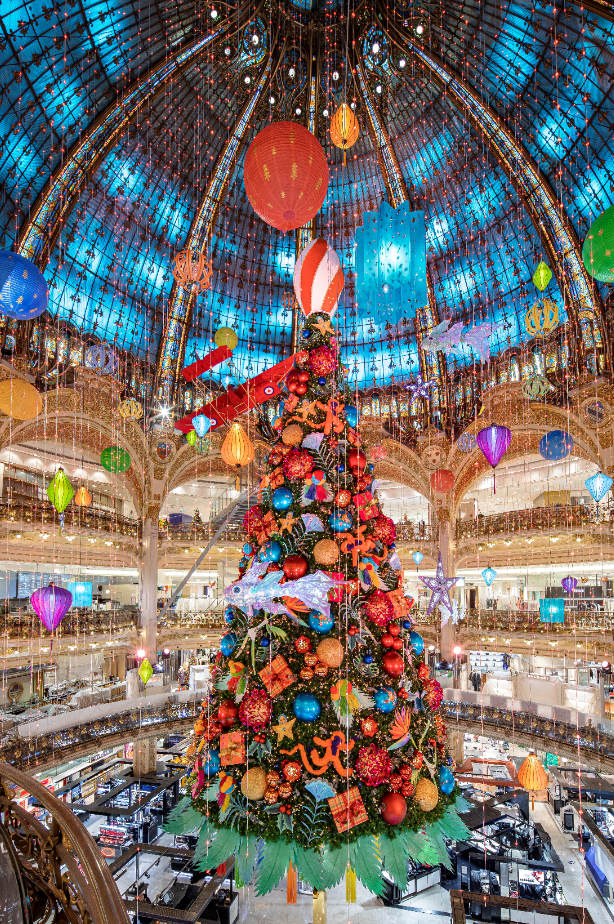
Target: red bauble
[384,529]
[292,381]
[253,520]
[228,714]
[442,481]
[394,808]
[392,662]
[386,640]
[343,498]
[395,781]
[379,608]
[295,566]
[301,389]
[273,566]
[297,465]
[357,459]
[302,644]
[285,175]
[397,644]
[322,360]
[394,629]
[363,482]
[303,376]
[373,765]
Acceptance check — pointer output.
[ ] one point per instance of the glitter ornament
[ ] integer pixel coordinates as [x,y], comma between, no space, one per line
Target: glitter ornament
[270,796]
[297,465]
[343,498]
[273,778]
[373,765]
[326,552]
[302,644]
[253,783]
[306,673]
[368,726]
[253,520]
[255,710]
[331,652]
[311,659]
[379,608]
[426,795]
[384,529]
[320,670]
[322,360]
[292,435]
[285,790]
[395,781]
[292,771]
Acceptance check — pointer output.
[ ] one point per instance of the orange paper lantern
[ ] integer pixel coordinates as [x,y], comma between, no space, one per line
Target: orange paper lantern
[344,128]
[237,449]
[442,481]
[286,175]
[82,498]
[531,774]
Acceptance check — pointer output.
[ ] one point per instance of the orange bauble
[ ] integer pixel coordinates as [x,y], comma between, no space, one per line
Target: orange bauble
[442,481]
[393,808]
[286,175]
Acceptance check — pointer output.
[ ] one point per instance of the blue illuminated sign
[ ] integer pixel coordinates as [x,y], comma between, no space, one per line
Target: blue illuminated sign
[81,592]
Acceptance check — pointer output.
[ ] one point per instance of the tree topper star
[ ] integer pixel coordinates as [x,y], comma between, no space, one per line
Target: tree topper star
[419,388]
[440,586]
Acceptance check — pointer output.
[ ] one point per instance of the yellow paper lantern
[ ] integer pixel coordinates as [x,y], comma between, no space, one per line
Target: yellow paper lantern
[225,336]
[532,775]
[83,498]
[19,399]
[237,448]
[344,128]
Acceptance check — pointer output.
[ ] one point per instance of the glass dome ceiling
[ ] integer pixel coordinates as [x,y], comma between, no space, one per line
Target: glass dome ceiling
[546,73]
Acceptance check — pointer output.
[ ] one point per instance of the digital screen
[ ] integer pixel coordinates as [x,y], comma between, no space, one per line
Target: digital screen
[28,582]
[552,610]
[81,592]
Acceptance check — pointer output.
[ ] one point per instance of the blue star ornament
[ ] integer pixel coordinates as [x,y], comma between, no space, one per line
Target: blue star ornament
[440,586]
[419,388]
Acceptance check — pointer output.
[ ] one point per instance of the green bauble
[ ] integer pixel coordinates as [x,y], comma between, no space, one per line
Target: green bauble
[598,249]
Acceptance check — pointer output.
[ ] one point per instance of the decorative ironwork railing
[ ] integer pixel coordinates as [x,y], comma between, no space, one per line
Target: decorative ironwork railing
[55,873]
[26,624]
[562,518]
[523,621]
[41,514]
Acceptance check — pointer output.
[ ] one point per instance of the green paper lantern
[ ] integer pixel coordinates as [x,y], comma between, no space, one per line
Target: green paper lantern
[191,437]
[145,670]
[542,276]
[115,459]
[598,248]
[60,491]
[202,445]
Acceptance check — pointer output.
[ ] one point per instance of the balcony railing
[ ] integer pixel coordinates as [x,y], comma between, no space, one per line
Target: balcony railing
[202,532]
[549,519]
[485,620]
[41,514]
[25,624]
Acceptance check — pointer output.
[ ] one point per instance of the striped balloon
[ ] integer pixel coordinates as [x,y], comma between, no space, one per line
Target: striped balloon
[318,278]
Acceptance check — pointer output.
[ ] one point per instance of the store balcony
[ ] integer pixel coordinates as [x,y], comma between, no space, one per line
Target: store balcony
[551,520]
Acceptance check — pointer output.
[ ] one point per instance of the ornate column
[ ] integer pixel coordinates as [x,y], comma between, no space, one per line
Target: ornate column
[446,547]
[149,586]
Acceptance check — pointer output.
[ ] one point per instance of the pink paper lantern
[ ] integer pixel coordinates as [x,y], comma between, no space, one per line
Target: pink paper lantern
[493,442]
[51,605]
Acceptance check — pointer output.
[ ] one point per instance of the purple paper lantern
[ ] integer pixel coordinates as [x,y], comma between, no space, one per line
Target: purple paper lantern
[569,584]
[493,442]
[51,605]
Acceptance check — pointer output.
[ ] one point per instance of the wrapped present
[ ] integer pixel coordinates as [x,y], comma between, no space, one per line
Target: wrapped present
[232,749]
[269,523]
[276,676]
[367,507]
[348,809]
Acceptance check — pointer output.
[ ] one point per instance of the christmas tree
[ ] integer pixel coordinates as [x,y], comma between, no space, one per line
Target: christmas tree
[321,749]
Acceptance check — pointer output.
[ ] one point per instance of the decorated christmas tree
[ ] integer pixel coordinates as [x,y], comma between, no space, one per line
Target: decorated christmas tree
[321,748]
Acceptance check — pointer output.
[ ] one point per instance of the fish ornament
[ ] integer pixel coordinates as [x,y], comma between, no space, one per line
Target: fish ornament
[348,701]
[256,592]
[400,729]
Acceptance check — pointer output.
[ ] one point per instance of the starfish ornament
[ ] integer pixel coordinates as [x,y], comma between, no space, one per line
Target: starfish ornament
[440,586]
[419,388]
[287,523]
[323,327]
[306,410]
[284,729]
[477,338]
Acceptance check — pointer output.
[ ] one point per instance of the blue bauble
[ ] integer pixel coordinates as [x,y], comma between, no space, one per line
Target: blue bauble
[265,642]
[322,380]
[282,498]
[370,468]
[270,552]
[368,659]
[211,764]
[306,334]
[417,642]
[406,624]
[228,644]
[385,699]
[247,548]
[307,707]
[446,780]
[351,415]
[229,617]
[23,290]
[320,623]
[341,467]
[340,521]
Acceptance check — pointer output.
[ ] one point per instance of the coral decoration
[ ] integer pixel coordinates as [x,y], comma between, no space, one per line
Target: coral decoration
[253,520]
[373,765]
[297,465]
[255,710]
[323,361]
[384,529]
[379,608]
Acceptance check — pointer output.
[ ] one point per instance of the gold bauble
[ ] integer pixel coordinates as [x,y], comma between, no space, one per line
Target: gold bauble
[311,659]
[270,796]
[19,399]
[326,552]
[321,670]
[285,790]
[273,778]
[292,435]
[426,794]
[330,651]
[306,673]
[253,783]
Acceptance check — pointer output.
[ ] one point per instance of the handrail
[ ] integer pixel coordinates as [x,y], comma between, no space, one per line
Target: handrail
[85,887]
[515,620]
[45,514]
[564,517]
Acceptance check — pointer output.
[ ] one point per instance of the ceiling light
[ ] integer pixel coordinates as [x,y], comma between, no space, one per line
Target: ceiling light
[335,75]
[419,29]
[352,105]
[291,72]
[272,100]
[247,79]
[375,48]
[402,62]
[325,113]
[378,88]
[228,51]
[255,39]
[298,110]
[46,535]
[214,14]
[17,535]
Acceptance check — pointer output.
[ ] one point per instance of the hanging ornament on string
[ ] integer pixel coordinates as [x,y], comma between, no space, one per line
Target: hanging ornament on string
[83,498]
[237,449]
[598,485]
[569,584]
[51,605]
[201,424]
[417,557]
[344,129]
[60,492]
[489,574]
[494,442]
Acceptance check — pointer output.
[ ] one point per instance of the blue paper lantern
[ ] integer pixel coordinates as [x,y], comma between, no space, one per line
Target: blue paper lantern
[417,557]
[417,642]
[598,485]
[270,552]
[307,707]
[228,644]
[320,622]
[489,574]
[23,290]
[555,445]
[282,498]
[351,415]
[446,780]
[385,699]
[201,424]
[552,610]
[212,763]
[340,521]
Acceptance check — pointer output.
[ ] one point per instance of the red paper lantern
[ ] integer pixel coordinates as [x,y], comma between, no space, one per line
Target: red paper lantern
[295,566]
[286,175]
[393,808]
[228,714]
[392,662]
[442,481]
